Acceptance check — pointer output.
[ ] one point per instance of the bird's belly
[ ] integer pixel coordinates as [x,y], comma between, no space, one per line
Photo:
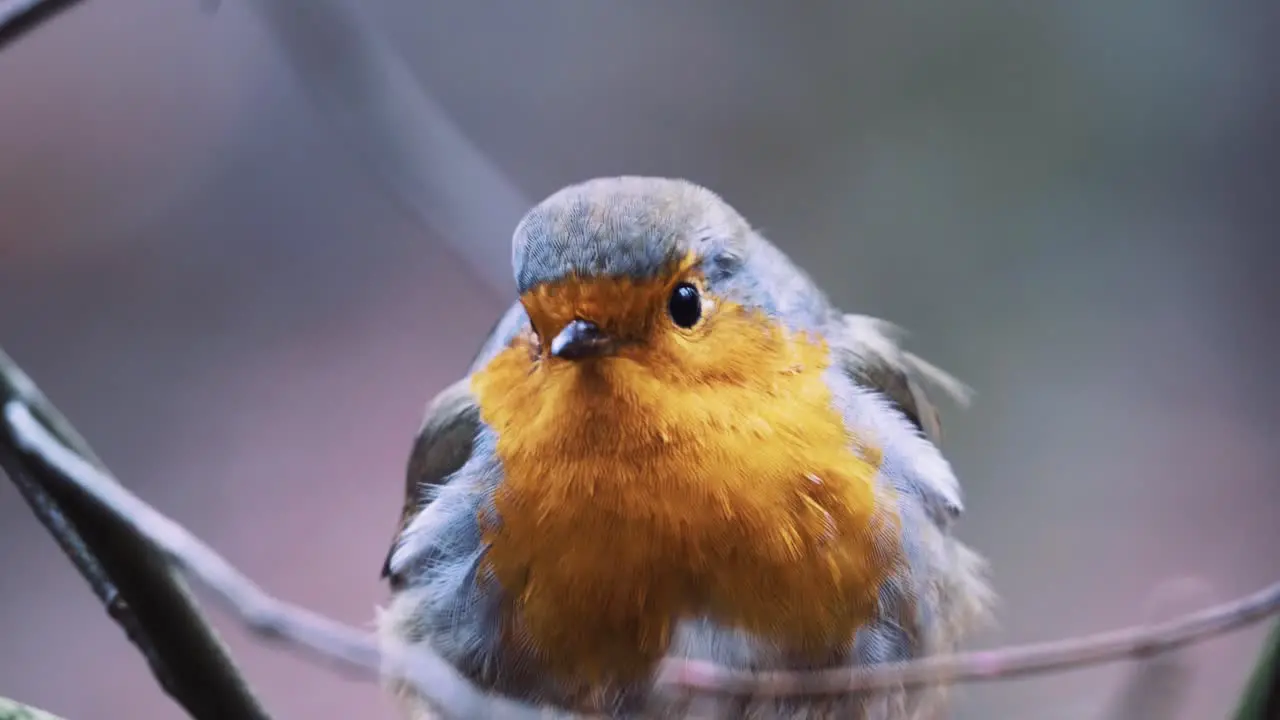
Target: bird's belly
[597,570]
[600,563]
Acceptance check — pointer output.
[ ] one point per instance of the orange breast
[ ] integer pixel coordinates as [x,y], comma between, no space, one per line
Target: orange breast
[637,493]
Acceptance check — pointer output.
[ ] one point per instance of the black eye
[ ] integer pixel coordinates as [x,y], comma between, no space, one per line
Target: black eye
[685,306]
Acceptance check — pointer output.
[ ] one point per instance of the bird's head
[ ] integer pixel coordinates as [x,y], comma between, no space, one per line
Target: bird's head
[638,269]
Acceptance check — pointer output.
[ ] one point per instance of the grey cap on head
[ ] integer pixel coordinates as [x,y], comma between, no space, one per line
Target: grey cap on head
[626,227]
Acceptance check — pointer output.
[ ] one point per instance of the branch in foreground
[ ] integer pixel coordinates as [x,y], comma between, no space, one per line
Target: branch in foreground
[431,675]
[322,639]
[1157,685]
[999,664]
[18,17]
[134,581]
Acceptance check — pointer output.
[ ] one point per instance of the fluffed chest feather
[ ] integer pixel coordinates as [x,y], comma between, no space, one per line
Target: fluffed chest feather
[629,502]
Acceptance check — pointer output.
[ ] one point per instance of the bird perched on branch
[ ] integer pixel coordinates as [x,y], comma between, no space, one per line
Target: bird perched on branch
[673,445]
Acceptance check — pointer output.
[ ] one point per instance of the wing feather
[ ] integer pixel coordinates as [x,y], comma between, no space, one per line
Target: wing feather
[441,447]
[869,351]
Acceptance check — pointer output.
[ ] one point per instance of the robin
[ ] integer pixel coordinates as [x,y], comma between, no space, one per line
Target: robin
[673,445]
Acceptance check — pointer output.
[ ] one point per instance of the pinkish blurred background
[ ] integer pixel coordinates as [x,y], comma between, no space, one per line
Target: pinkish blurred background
[1069,204]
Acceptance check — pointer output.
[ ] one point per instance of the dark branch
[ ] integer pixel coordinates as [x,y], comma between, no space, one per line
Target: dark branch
[48,512]
[132,580]
[18,17]
[321,638]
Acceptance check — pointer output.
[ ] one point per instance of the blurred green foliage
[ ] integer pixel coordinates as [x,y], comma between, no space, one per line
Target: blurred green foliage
[12,710]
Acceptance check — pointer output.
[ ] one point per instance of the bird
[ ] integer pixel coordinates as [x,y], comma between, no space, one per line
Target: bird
[673,445]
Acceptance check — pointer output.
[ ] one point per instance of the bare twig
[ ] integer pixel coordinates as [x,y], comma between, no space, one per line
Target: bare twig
[49,513]
[351,648]
[321,638]
[1158,684]
[999,664]
[18,17]
[132,580]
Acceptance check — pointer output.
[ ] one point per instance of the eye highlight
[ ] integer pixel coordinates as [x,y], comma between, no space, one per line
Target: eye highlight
[685,305]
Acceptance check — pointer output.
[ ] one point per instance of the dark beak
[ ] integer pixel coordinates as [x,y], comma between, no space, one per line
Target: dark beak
[581,339]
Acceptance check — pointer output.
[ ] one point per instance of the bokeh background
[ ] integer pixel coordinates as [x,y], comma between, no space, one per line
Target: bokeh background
[1069,204]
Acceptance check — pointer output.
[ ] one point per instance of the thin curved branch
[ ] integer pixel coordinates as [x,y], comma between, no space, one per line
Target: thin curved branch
[1158,684]
[133,581]
[999,664]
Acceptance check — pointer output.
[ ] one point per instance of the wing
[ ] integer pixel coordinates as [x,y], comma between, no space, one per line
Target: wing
[441,447]
[946,595]
[869,352]
[449,427]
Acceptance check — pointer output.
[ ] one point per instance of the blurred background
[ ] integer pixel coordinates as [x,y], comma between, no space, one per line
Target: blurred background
[243,302]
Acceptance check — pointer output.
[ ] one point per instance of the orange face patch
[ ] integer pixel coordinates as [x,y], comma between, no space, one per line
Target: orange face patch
[626,309]
[701,471]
